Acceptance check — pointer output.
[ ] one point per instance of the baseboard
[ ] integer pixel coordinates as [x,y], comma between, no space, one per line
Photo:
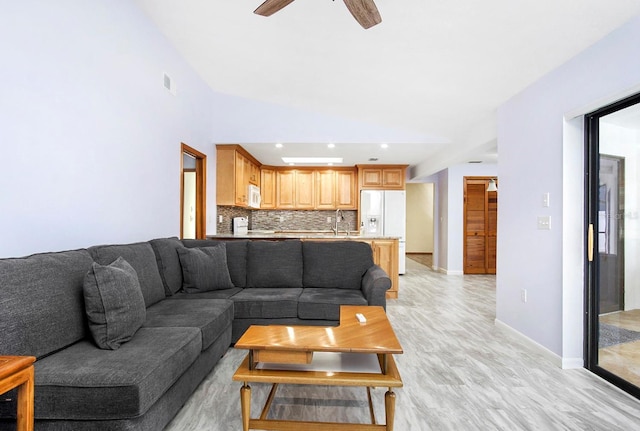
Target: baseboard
[572,363]
[552,357]
[448,272]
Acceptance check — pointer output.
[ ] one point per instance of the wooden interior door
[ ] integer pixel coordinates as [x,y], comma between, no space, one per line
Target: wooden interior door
[480,226]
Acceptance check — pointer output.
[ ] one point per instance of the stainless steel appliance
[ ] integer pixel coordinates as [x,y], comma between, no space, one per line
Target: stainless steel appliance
[383,213]
[240,225]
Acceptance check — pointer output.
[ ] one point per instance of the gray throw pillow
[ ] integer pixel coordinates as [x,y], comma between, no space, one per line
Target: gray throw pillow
[114,303]
[205,269]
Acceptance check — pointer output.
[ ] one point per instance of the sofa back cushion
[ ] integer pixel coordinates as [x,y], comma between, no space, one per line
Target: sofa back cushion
[205,269]
[142,258]
[41,302]
[338,264]
[166,250]
[274,264]
[236,257]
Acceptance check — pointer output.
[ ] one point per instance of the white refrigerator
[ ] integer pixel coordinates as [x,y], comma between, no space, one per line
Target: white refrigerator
[383,212]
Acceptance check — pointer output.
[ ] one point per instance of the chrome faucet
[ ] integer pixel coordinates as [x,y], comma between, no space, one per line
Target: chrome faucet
[339,218]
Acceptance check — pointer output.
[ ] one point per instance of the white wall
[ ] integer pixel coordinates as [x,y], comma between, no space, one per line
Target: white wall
[90,139]
[540,144]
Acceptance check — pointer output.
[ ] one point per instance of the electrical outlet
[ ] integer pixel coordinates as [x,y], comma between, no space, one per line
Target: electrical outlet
[328,219]
[220,219]
[281,219]
[523,295]
[544,222]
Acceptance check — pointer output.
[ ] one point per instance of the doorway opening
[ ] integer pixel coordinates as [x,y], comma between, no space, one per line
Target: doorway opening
[612,345]
[193,179]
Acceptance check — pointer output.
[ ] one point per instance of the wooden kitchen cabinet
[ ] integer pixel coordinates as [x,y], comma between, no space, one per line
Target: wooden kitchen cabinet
[294,189]
[236,169]
[312,188]
[305,189]
[382,177]
[268,188]
[385,254]
[346,190]
[254,174]
[336,189]
[285,189]
[326,189]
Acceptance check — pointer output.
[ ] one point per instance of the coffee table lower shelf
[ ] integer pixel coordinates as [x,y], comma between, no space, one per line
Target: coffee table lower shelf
[391,379]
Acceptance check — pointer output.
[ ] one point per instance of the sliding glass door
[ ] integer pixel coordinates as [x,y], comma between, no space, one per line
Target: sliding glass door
[613,238]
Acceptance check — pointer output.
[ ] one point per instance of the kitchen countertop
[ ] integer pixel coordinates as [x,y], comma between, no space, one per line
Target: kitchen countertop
[292,234]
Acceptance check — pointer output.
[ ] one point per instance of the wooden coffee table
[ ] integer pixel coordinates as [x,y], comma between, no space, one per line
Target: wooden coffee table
[17,372]
[285,354]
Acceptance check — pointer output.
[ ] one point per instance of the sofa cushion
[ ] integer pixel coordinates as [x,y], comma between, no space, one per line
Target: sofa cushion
[324,302]
[142,258]
[166,253]
[204,269]
[267,303]
[211,294]
[236,257]
[274,264]
[210,316]
[339,264]
[114,303]
[83,382]
[35,292]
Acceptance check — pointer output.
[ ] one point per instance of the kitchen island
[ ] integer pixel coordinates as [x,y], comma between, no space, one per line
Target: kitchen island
[385,249]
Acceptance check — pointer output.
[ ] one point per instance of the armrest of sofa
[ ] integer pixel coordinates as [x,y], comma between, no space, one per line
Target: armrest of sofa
[375,284]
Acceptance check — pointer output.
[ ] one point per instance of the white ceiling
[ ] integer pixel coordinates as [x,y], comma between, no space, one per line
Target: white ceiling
[436,69]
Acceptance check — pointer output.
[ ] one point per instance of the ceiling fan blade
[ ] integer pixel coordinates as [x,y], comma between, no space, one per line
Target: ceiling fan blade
[364,11]
[269,7]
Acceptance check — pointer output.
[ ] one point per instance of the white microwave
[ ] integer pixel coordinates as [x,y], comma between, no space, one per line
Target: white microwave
[254,197]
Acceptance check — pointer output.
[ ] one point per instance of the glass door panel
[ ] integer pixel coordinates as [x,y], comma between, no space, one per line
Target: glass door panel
[613,349]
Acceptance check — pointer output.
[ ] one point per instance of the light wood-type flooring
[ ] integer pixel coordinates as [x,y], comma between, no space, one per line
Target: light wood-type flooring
[622,359]
[460,372]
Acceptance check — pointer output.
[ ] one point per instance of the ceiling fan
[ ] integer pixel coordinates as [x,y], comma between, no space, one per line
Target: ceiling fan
[364,11]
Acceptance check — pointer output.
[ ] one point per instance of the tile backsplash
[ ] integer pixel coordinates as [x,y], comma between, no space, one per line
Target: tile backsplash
[284,220]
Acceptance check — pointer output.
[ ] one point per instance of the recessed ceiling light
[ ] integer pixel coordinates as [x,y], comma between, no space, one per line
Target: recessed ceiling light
[331,145]
[279,145]
[384,146]
[312,160]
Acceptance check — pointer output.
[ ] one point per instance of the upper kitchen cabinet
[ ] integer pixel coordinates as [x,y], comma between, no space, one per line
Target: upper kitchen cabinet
[313,188]
[267,188]
[295,189]
[336,189]
[236,170]
[382,177]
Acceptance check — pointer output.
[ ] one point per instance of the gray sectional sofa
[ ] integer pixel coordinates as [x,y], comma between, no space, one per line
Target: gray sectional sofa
[123,334]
